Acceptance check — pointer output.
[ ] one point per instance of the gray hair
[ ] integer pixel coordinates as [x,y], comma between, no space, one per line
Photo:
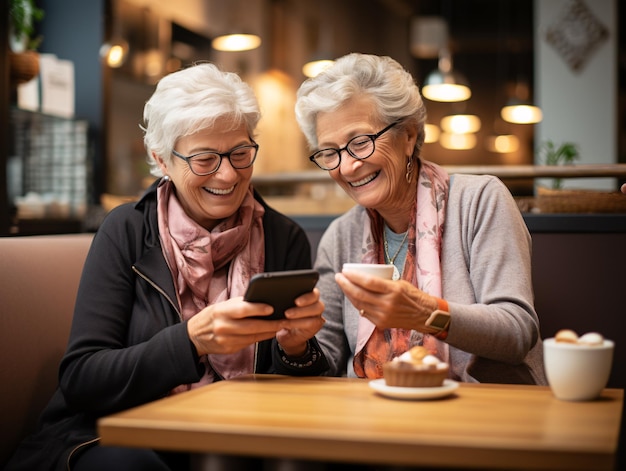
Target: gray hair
[392,89]
[193,99]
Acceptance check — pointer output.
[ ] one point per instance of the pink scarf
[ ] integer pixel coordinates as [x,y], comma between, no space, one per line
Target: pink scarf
[212,266]
[422,268]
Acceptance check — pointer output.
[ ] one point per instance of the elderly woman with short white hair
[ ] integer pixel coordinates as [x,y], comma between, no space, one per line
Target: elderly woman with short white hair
[160,307]
[458,243]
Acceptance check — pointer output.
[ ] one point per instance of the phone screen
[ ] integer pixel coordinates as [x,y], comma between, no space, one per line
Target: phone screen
[280,289]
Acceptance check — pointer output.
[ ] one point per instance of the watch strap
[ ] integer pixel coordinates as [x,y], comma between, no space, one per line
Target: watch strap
[442,305]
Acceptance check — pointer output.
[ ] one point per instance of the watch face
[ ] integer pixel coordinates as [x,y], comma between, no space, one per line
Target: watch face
[440,321]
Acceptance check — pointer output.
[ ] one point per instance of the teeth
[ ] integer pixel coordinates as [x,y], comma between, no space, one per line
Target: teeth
[217,191]
[363,181]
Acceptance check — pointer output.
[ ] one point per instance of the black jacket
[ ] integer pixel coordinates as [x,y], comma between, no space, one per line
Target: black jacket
[127,344]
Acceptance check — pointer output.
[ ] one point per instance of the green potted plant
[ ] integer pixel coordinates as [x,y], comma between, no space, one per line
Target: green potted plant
[23,58]
[22,17]
[553,154]
[560,200]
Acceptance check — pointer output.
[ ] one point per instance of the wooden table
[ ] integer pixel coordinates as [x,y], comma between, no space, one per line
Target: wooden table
[338,419]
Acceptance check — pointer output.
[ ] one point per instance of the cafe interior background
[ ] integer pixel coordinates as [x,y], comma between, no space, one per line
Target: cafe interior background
[563,56]
[71,146]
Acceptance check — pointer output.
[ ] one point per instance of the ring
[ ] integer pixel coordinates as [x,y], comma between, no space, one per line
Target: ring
[362,312]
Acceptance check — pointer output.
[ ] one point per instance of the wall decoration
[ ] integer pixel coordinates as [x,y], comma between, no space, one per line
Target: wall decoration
[576,34]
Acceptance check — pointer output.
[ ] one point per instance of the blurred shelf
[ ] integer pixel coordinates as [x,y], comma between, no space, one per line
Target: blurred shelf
[542,171]
[500,171]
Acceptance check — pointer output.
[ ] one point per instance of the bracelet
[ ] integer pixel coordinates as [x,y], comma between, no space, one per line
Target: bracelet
[310,356]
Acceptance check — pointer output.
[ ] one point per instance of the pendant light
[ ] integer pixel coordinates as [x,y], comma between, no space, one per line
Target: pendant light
[233,42]
[518,109]
[521,112]
[236,38]
[322,58]
[444,83]
[429,34]
[115,50]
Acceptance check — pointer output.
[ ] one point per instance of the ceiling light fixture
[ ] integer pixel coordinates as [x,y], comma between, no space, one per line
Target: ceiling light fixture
[445,84]
[521,112]
[323,34]
[429,34]
[115,50]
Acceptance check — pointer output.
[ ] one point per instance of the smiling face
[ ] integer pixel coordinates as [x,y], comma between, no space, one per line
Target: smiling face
[377,182]
[214,197]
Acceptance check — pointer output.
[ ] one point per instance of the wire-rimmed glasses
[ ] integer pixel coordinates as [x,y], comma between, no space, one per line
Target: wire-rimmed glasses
[360,147]
[206,163]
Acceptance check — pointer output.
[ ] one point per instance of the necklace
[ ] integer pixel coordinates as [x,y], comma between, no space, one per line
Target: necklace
[396,272]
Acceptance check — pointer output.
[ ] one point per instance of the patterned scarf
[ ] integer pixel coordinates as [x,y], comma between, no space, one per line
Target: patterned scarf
[212,266]
[422,268]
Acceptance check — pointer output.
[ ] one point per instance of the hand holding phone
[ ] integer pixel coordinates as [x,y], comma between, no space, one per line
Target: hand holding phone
[280,289]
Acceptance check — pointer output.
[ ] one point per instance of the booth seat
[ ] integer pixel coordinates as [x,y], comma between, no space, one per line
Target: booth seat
[39,278]
[578,281]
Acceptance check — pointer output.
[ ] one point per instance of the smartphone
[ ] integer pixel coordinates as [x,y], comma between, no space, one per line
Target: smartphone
[280,289]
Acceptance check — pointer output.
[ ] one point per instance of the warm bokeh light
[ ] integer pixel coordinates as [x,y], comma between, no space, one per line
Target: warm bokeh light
[460,123]
[236,42]
[431,133]
[457,141]
[114,53]
[311,69]
[502,144]
[446,92]
[521,114]
[444,83]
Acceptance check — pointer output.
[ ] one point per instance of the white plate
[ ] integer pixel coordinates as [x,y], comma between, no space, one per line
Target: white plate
[397,392]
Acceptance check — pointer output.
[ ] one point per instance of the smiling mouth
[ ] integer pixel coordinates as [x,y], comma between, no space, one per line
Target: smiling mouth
[219,191]
[364,181]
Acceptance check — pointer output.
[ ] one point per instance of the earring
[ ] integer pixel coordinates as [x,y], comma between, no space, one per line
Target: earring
[409,170]
[166,177]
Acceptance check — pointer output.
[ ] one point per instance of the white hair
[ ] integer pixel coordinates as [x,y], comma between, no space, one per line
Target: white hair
[190,100]
[391,88]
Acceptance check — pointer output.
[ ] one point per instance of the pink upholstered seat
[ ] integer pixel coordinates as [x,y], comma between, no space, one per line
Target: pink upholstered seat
[39,278]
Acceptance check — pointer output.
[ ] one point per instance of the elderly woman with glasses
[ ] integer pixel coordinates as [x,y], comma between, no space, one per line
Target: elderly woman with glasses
[458,244]
[160,307]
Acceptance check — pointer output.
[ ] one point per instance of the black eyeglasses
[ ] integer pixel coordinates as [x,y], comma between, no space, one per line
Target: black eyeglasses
[206,163]
[359,147]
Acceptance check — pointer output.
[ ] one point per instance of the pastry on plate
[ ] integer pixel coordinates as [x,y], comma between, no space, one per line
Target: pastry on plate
[415,369]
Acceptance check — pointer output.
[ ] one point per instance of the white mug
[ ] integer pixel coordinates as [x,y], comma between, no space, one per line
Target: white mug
[376,269]
[577,372]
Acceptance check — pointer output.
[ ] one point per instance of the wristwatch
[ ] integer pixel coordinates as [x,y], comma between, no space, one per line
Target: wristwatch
[439,320]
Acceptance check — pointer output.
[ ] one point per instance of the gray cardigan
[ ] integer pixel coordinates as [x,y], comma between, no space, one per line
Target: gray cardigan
[486,269]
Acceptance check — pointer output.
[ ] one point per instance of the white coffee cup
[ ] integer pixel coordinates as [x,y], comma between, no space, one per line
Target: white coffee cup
[376,269]
[577,372]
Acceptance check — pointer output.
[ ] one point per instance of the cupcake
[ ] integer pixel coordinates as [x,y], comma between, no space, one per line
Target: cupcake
[415,369]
